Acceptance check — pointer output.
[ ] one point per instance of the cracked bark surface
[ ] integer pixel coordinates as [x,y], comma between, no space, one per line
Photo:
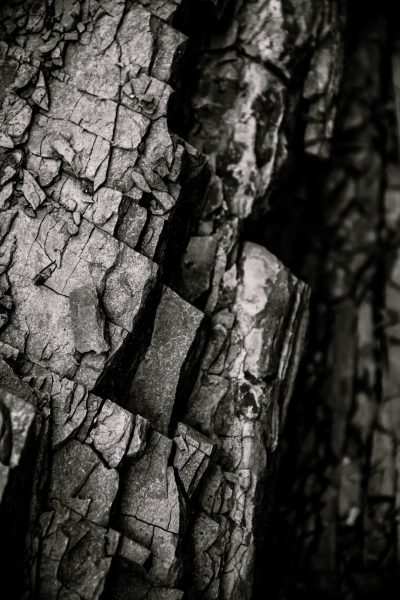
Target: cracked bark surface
[152,319]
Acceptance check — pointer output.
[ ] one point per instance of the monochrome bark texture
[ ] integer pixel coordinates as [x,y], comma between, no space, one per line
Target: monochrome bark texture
[159,164]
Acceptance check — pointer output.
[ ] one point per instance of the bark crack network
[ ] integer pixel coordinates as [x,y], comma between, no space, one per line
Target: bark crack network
[189,192]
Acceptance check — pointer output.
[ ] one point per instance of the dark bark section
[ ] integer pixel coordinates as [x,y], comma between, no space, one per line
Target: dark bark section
[337,493]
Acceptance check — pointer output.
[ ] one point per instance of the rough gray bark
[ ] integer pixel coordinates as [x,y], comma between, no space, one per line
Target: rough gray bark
[150,338]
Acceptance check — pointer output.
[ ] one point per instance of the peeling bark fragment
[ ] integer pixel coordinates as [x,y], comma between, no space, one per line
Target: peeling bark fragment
[152,243]
[63,148]
[208,539]
[10,163]
[169,50]
[155,388]
[7,173]
[130,129]
[132,221]
[25,75]
[8,353]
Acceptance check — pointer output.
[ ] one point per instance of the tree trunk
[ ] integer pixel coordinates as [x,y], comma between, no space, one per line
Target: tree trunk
[198,299]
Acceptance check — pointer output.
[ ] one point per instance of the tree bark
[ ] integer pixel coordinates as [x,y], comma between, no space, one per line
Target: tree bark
[159,161]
